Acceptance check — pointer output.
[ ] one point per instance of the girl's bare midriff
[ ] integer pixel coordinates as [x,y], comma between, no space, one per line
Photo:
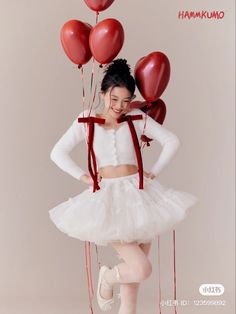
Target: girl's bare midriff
[117,171]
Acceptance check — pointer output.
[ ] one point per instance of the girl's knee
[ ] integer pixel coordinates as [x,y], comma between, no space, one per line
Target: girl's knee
[143,271]
[147,271]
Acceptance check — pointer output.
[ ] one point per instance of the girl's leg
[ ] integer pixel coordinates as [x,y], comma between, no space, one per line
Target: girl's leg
[129,291]
[136,268]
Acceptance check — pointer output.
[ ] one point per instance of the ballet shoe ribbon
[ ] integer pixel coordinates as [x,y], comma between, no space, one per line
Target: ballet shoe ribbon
[91,120]
[129,119]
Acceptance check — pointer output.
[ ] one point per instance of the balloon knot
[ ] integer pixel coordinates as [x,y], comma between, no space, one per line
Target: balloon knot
[79,66]
[101,66]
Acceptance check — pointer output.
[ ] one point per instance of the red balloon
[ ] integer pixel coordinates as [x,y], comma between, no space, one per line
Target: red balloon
[137,104]
[156,111]
[98,5]
[152,74]
[75,41]
[106,40]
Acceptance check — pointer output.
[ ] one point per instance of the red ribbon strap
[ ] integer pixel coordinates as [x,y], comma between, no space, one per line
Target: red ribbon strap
[129,118]
[93,173]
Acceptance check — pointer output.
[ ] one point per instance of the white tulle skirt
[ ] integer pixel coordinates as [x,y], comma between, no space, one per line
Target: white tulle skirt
[120,211]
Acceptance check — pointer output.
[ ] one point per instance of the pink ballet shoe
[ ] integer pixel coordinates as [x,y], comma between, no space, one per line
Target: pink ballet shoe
[104,304]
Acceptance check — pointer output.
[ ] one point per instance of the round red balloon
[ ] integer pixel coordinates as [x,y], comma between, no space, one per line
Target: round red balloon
[152,74]
[75,41]
[106,40]
[98,5]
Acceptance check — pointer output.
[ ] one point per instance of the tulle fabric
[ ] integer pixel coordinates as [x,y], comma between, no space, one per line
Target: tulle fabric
[120,211]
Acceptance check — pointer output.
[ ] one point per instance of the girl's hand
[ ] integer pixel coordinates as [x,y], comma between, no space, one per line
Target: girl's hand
[88,179]
[149,175]
[99,177]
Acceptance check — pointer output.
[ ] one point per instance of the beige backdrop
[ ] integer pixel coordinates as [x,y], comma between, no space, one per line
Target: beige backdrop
[41,269]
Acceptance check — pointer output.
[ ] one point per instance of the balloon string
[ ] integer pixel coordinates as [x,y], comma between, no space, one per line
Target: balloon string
[92,74]
[88,274]
[88,281]
[83,94]
[98,263]
[91,85]
[97,14]
[145,122]
[90,270]
[144,127]
[83,89]
[159,272]
[175,310]
[143,144]
[95,90]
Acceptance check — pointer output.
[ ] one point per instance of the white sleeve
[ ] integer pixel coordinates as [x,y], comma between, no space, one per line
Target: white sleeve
[60,152]
[168,140]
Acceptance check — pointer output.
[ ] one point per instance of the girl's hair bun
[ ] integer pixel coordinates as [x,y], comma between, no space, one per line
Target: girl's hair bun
[117,73]
[118,66]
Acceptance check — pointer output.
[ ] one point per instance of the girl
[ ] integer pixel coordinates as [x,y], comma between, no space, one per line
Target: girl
[124,205]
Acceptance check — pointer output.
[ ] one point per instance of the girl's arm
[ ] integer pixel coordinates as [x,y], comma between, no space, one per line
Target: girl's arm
[60,152]
[169,141]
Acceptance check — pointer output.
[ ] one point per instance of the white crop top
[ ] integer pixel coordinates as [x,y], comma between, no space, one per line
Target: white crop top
[113,146]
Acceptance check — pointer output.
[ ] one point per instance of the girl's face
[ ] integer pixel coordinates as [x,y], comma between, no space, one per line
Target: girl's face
[117,101]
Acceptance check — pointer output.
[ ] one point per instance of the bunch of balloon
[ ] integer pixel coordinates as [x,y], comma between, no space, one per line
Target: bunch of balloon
[152,74]
[103,42]
[79,43]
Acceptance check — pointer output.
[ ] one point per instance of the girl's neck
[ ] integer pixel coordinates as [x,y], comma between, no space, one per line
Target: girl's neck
[110,121]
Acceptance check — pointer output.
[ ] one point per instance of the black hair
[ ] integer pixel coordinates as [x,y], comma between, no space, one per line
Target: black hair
[117,73]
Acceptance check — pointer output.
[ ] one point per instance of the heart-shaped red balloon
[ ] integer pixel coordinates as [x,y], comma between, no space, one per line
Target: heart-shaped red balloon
[98,5]
[137,104]
[75,41]
[152,74]
[106,40]
[156,111]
